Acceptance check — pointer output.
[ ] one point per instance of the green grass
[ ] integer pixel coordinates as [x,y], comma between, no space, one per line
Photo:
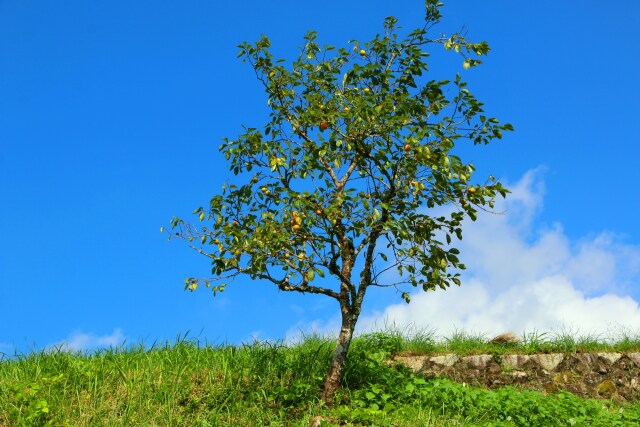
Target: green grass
[563,341]
[274,384]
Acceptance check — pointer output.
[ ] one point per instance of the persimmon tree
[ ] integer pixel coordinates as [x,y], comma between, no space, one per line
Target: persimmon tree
[339,186]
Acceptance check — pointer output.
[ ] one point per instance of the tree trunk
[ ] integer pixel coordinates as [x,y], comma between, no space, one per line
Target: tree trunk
[334,377]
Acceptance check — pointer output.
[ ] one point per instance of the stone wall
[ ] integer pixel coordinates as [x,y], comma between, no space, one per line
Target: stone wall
[597,375]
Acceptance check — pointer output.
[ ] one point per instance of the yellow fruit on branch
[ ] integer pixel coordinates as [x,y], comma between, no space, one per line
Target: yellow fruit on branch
[407,147]
[362,52]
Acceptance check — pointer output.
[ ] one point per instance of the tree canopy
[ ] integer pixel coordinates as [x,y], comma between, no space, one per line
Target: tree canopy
[340,186]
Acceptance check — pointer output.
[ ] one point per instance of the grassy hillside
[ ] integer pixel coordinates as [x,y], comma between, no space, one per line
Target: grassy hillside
[273,384]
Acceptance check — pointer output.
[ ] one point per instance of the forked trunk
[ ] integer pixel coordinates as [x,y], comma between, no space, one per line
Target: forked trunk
[334,378]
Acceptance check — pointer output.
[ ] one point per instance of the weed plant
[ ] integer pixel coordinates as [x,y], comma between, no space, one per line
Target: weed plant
[277,384]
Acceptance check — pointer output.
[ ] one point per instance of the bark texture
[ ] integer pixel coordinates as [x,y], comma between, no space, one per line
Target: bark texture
[334,377]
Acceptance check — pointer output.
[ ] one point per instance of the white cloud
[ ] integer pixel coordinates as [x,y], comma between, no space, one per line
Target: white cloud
[80,341]
[526,278]
[551,303]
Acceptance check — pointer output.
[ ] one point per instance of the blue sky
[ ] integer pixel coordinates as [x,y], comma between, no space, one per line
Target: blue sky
[110,118]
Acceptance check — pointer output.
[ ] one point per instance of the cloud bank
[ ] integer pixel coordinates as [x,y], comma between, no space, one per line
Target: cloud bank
[525,278]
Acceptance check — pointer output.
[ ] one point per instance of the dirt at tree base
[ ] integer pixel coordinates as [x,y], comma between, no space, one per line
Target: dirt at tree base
[603,375]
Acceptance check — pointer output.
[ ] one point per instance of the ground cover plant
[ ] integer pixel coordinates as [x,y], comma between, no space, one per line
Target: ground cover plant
[267,383]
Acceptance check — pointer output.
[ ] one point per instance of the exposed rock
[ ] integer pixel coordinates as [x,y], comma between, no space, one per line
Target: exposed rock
[519,374]
[415,363]
[609,357]
[479,362]
[596,375]
[505,338]
[576,388]
[447,360]
[548,362]
[515,361]
[565,377]
[584,358]
[635,358]
[582,362]
[606,389]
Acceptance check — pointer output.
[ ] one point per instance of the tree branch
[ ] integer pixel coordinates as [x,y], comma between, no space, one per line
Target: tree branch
[284,285]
